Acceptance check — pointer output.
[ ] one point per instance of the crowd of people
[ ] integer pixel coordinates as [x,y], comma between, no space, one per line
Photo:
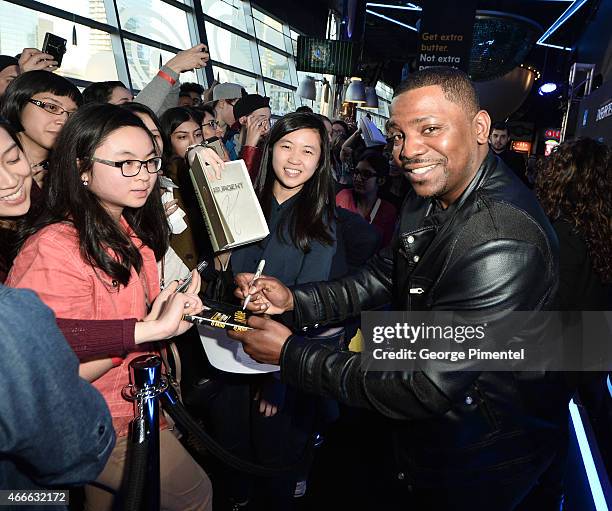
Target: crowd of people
[99,218]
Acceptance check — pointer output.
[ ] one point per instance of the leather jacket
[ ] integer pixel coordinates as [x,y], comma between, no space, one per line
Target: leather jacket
[491,250]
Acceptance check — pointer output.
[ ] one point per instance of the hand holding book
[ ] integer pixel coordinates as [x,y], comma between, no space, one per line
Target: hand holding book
[208,156]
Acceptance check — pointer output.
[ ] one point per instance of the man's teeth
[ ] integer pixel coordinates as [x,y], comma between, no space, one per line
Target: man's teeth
[15,196]
[422,170]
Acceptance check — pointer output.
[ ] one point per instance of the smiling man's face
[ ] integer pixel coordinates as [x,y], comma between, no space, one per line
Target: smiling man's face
[436,142]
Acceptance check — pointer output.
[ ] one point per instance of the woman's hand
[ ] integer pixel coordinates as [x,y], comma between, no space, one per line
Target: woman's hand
[169,322]
[165,318]
[212,160]
[171,206]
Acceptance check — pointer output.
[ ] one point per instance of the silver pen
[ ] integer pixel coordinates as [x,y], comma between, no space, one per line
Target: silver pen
[258,272]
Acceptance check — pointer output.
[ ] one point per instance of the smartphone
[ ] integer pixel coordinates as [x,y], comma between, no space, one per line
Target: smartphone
[216,144]
[55,46]
[200,268]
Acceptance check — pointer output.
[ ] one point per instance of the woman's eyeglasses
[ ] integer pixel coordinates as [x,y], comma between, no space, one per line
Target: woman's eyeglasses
[131,168]
[214,124]
[52,108]
[364,175]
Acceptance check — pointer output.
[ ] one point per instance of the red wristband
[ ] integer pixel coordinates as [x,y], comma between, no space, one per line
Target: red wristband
[117,361]
[166,77]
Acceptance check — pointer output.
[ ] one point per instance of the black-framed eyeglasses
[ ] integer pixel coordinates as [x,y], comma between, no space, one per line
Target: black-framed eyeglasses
[131,168]
[364,175]
[52,108]
[213,123]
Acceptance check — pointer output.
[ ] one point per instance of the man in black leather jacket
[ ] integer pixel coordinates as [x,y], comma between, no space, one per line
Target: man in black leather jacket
[471,238]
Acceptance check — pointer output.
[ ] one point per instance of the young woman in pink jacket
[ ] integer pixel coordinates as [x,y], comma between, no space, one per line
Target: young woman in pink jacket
[92,254]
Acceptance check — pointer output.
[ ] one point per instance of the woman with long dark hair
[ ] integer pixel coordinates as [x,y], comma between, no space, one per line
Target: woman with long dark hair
[182,127]
[91,254]
[38,104]
[295,189]
[574,185]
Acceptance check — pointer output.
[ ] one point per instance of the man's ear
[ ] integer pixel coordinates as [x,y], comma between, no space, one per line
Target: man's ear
[482,125]
[243,120]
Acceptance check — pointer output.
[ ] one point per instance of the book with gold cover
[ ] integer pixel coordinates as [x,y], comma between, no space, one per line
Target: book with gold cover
[221,315]
[231,210]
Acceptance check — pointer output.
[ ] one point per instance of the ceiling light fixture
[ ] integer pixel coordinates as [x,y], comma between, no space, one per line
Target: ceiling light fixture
[409,7]
[391,20]
[371,99]
[567,14]
[307,88]
[547,88]
[355,93]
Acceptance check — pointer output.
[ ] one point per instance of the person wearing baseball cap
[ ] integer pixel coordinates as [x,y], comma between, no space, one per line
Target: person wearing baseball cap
[224,96]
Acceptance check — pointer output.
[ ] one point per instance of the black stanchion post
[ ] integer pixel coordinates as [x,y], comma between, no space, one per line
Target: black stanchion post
[147,384]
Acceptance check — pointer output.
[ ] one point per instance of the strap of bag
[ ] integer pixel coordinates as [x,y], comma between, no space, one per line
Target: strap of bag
[375,210]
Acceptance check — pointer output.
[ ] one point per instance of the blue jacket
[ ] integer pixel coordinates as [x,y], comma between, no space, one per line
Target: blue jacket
[284,260]
[55,428]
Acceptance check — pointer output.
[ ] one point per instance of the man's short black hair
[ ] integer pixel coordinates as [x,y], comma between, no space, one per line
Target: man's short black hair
[501,126]
[455,84]
[192,87]
[100,92]
[304,109]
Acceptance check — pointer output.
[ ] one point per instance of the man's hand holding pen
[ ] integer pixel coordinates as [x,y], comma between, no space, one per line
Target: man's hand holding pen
[268,295]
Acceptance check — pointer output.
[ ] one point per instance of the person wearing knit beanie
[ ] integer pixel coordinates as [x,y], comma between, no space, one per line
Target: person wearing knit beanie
[9,70]
[253,113]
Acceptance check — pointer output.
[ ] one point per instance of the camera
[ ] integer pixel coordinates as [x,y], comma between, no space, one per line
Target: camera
[55,46]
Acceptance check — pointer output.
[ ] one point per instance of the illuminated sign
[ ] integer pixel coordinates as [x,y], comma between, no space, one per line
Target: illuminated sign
[521,146]
[604,111]
[556,134]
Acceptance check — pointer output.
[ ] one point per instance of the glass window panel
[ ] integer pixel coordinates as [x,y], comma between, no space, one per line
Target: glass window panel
[294,46]
[274,65]
[156,20]
[269,34]
[268,29]
[225,75]
[282,101]
[92,59]
[229,48]
[92,9]
[384,91]
[143,63]
[230,12]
